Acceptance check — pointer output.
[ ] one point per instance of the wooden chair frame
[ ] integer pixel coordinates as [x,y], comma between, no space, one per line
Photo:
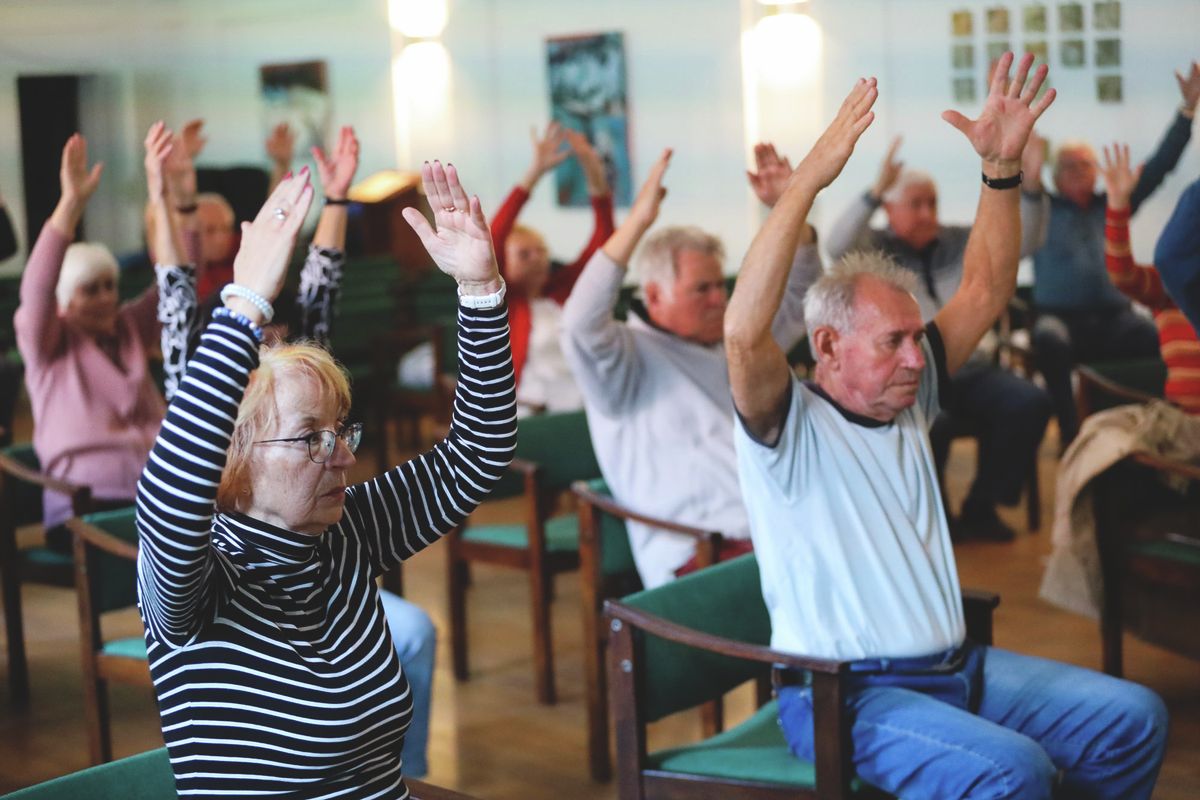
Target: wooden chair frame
[834,769]
[15,570]
[99,667]
[408,406]
[541,565]
[595,588]
[1091,381]
[1118,568]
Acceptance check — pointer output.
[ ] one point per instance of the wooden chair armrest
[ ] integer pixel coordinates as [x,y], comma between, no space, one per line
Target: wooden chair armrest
[102,540]
[524,467]
[423,791]
[610,506]
[1088,377]
[1182,468]
[24,473]
[674,632]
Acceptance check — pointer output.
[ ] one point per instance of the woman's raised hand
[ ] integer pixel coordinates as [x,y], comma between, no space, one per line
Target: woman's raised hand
[461,246]
[159,144]
[337,169]
[1120,176]
[77,180]
[261,263]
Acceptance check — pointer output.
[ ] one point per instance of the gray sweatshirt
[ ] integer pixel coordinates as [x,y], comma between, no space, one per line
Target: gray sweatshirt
[660,412]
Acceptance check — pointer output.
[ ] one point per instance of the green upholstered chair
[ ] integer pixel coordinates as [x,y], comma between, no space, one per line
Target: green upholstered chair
[553,451]
[21,487]
[607,569]
[690,641]
[1147,512]
[106,580]
[1106,384]
[146,776]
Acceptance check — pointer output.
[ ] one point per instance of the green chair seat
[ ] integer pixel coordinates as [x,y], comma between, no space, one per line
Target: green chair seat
[562,534]
[1168,551]
[133,647]
[753,751]
[45,557]
[146,776]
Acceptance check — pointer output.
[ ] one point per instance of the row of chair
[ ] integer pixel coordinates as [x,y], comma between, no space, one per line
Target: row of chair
[554,459]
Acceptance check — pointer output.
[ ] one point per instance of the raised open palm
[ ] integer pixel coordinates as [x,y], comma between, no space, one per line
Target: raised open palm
[461,244]
[78,182]
[337,169]
[1003,126]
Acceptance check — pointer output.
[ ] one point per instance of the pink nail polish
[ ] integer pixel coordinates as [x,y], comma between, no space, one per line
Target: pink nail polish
[288,175]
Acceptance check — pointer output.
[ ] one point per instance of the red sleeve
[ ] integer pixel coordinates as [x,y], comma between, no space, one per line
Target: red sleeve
[504,220]
[1138,282]
[561,282]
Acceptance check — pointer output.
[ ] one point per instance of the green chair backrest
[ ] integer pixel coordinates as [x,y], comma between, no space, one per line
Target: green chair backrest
[146,776]
[560,444]
[23,500]
[616,554]
[366,305]
[722,600]
[1148,375]
[113,579]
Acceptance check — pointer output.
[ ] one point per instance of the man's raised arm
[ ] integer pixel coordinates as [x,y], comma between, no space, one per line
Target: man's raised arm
[758,369]
[993,249]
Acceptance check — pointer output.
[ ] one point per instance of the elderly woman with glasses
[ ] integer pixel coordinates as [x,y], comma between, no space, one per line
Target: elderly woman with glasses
[267,642]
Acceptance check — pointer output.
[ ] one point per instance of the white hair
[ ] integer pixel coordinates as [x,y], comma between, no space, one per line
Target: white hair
[1072,144]
[908,177]
[82,263]
[657,262]
[829,302]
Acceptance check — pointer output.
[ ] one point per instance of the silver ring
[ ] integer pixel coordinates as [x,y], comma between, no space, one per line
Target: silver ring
[279,214]
[450,209]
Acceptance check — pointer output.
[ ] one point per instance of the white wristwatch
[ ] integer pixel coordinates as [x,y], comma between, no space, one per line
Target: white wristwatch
[492,300]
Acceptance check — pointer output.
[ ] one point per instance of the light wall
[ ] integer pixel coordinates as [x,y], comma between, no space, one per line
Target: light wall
[190,58]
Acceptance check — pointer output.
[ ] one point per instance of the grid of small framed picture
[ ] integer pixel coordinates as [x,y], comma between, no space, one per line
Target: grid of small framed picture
[1066,35]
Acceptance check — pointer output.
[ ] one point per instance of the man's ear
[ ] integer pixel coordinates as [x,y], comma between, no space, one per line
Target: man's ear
[653,294]
[826,341]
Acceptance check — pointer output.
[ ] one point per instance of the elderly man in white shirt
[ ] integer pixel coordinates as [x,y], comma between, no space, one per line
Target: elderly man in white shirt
[853,545]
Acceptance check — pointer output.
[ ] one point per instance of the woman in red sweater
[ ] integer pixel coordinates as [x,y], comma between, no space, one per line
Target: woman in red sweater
[536,288]
[1177,339]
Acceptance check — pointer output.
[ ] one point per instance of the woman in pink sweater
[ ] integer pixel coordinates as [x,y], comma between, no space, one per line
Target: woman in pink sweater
[96,409]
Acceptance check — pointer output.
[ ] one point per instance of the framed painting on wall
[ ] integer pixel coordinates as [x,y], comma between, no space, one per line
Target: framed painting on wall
[297,94]
[586,76]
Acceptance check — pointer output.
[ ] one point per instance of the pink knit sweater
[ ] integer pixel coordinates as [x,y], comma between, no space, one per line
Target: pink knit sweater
[94,424]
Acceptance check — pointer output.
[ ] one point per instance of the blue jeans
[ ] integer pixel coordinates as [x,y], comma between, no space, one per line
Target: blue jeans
[415,639]
[1035,717]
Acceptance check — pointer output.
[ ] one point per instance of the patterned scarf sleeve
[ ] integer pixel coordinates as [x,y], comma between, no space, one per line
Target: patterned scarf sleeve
[320,284]
[179,313]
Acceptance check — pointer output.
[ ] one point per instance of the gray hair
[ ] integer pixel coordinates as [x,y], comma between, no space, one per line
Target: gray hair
[1072,144]
[829,302]
[908,177]
[656,262]
[82,263]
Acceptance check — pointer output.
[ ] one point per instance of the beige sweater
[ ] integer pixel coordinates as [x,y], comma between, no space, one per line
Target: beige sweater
[1072,579]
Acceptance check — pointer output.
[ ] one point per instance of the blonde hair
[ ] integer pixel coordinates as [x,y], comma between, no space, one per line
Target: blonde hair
[82,263]
[258,411]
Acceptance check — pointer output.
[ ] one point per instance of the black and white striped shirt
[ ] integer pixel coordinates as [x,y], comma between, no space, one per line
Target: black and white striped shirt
[270,654]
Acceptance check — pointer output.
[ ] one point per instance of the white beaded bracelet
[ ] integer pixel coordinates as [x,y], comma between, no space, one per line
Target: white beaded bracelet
[251,296]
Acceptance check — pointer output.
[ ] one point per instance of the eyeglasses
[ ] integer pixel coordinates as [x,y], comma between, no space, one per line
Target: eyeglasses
[321,443]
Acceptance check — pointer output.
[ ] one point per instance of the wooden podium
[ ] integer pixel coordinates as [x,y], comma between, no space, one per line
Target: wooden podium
[383,197]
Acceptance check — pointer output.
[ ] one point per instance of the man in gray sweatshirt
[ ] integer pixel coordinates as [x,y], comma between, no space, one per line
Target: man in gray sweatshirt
[656,388]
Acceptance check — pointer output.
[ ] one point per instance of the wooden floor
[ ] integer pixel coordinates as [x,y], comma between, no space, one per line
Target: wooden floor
[490,739]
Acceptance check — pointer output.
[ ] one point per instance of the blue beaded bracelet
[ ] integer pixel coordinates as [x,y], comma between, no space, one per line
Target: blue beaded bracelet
[225,311]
